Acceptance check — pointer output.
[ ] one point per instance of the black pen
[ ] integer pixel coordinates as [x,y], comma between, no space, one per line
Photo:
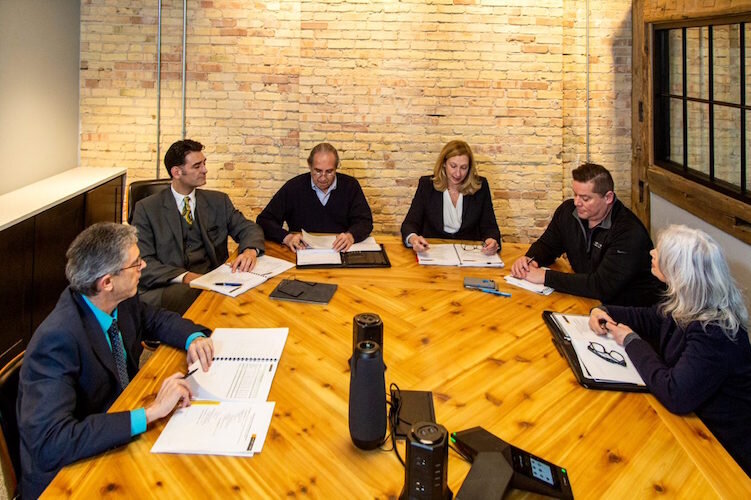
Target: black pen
[191,372]
[228,284]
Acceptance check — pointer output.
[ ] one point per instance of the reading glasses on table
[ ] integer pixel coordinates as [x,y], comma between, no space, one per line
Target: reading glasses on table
[611,356]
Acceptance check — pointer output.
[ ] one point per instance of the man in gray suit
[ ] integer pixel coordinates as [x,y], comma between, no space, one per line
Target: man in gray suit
[182,231]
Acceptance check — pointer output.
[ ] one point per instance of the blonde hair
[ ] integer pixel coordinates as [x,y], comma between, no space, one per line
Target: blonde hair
[471,183]
[700,287]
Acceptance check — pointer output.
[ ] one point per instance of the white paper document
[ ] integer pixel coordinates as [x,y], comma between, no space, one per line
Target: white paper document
[317,256]
[227,428]
[458,255]
[527,285]
[224,281]
[326,242]
[576,328]
[244,365]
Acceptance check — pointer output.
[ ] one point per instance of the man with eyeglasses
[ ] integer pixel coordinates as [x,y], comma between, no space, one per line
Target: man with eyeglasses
[85,353]
[605,243]
[322,202]
[182,231]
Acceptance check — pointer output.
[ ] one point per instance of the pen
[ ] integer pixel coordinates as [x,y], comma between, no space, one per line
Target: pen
[487,290]
[228,284]
[191,372]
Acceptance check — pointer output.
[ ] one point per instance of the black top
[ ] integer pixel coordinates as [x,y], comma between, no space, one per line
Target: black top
[693,370]
[425,216]
[611,262]
[296,202]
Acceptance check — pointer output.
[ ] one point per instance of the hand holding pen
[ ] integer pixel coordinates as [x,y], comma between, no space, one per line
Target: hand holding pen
[522,266]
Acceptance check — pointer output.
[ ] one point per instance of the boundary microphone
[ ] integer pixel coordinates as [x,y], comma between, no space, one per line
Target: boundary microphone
[426,469]
[367,396]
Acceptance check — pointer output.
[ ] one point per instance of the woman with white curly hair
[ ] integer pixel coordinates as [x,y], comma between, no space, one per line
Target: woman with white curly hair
[693,349]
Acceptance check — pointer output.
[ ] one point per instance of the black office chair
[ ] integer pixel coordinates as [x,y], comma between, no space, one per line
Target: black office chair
[139,190]
[10,446]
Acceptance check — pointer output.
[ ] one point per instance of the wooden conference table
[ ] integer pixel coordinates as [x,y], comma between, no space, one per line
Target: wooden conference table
[489,361]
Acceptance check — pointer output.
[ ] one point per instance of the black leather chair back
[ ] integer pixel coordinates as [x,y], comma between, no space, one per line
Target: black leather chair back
[9,375]
[139,190]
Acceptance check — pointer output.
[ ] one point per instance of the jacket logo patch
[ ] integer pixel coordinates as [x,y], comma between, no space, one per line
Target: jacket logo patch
[597,244]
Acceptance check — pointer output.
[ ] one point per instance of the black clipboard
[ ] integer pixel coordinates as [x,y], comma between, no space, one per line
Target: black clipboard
[566,350]
[356,260]
[308,292]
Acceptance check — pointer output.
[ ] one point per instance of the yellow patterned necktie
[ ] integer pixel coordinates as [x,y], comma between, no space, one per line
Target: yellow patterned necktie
[186,211]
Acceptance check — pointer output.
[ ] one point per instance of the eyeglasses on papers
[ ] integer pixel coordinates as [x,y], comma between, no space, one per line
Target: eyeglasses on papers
[611,356]
[471,247]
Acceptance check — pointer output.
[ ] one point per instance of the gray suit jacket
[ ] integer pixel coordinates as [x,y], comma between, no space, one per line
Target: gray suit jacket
[160,236]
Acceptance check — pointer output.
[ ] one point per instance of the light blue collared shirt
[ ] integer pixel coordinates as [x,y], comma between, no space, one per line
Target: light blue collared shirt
[137,417]
[322,197]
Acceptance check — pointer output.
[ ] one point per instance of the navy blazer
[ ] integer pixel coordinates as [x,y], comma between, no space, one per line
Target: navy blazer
[425,216]
[160,237]
[68,381]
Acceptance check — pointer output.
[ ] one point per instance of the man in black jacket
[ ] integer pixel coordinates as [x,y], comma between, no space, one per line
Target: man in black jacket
[322,201]
[605,243]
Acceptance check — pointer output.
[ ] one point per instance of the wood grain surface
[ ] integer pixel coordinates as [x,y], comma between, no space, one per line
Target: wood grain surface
[489,361]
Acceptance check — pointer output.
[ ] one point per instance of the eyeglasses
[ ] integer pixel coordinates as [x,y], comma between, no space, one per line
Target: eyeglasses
[323,173]
[468,247]
[614,357]
[138,263]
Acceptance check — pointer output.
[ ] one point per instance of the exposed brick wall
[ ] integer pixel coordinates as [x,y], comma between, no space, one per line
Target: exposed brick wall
[387,83]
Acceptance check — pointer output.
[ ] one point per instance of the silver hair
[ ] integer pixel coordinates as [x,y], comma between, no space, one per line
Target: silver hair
[100,249]
[700,287]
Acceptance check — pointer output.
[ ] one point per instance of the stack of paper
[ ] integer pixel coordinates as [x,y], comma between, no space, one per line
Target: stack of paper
[458,255]
[224,281]
[230,415]
[320,249]
[528,285]
[576,328]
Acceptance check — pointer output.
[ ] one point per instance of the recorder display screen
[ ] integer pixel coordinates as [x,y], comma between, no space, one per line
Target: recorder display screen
[541,471]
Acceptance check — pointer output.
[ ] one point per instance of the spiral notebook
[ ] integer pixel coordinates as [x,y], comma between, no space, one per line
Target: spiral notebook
[244,365]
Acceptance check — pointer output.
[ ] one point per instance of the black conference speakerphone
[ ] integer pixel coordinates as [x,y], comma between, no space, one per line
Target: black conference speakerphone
[501,466]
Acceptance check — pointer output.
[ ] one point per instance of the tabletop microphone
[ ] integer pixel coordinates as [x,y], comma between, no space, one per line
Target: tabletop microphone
[367,396]
[367,326]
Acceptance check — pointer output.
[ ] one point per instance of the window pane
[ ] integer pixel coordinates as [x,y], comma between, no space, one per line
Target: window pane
[676,131]
[698,137]
[727,144]
[726,53]
[697,62]
[675,61]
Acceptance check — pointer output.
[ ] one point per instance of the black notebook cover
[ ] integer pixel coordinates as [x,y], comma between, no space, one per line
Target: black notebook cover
[567,351]
[303,291]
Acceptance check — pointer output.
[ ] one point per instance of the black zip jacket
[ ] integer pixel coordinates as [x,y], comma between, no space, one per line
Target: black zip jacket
[611,264]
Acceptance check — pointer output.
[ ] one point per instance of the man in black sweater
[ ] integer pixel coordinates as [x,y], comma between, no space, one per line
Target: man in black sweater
[322,201]
[605,243]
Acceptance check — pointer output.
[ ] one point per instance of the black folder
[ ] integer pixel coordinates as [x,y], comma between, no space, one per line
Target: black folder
[566,350]
[364,259]
[303,291]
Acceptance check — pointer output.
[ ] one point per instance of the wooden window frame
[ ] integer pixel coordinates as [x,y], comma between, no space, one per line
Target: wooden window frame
[722,209]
